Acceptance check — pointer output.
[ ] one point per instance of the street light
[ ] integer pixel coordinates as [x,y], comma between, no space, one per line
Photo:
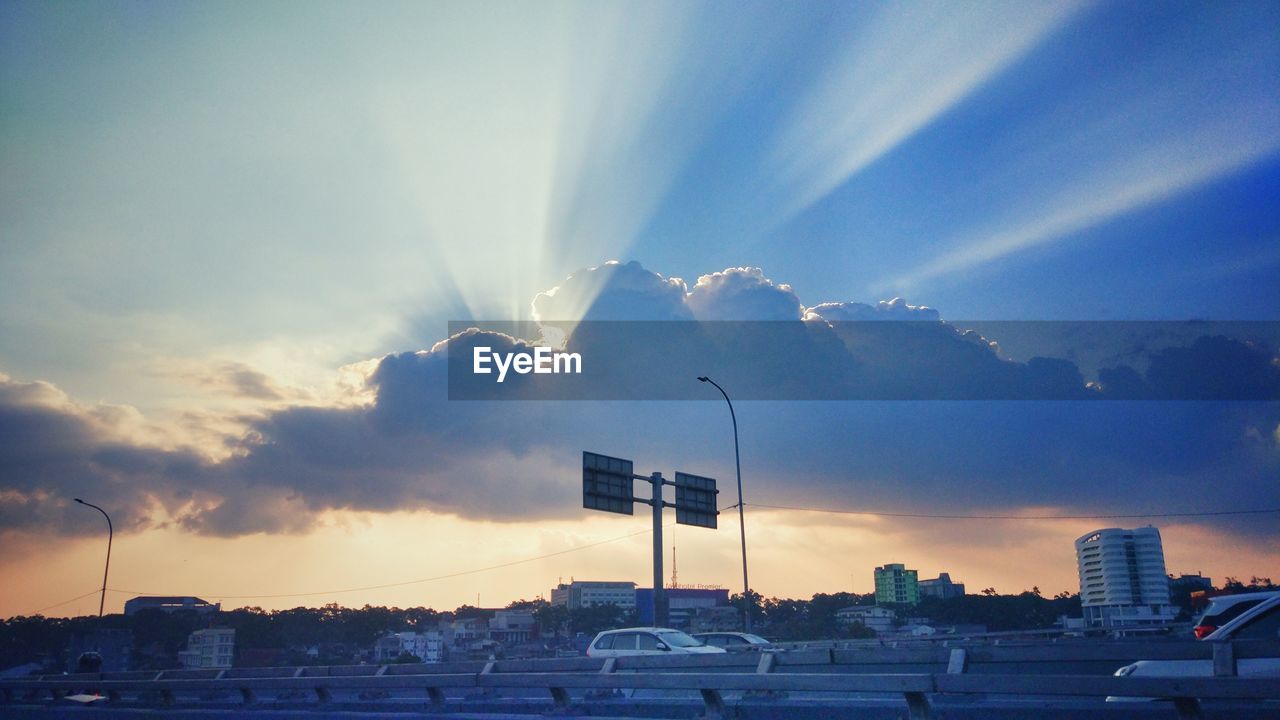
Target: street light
[110,534]
[742,523]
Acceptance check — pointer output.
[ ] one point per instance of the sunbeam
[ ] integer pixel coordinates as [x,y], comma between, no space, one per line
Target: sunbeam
[897,71]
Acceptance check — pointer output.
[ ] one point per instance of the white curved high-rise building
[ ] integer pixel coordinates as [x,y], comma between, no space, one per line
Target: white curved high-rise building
[1122,577]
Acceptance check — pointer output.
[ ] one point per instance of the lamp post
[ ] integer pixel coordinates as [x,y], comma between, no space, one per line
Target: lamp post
[110,533]
[742,523]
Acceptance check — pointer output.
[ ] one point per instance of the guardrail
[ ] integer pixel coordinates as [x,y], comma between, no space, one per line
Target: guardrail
[831,671]
[1175,630]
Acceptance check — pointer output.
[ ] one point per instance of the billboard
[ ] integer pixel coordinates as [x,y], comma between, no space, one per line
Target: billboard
[696,500]
[606,484]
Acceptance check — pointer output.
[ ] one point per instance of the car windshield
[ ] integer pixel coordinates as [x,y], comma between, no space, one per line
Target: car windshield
[1220,618]
[675,638]
[755,639]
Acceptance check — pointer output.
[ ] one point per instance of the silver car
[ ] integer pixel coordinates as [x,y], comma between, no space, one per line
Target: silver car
[646,641]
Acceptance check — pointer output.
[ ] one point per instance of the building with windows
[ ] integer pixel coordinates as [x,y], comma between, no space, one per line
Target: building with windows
[683,604]
[896,584]
[211,648]
[426,646]
[941,587]
[876,618]
[590,593]
[1122,578]
[513,627]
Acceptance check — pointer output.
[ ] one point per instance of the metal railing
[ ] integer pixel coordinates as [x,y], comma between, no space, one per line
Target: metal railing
[990,670]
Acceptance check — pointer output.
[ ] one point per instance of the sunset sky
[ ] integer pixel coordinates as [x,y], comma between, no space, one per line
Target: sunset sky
[232,236]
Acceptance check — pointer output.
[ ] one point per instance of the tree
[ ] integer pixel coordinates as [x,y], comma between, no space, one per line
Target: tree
[858,631]
[593,619]
[756,600]
[553,620]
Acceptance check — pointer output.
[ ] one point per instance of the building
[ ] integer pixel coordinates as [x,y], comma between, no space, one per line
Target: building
[513,627]
[715,619]
[896,584]
[1122,578]
[169,604]
[426,646]
[682,604]
[590,593]
[941,587]
[211,648]
[1190,583]
[872,616]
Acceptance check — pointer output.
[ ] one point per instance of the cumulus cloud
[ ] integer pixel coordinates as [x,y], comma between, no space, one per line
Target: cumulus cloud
[895,309]
[408,446]
[742,294]
[613,291]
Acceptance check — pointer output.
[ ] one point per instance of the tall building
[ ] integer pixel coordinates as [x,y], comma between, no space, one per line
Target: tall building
[896,584]
[590,593]
[941,587]
[1122,578]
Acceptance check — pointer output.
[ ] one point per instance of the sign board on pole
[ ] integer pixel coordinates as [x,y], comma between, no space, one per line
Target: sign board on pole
[606,484]
[696,500]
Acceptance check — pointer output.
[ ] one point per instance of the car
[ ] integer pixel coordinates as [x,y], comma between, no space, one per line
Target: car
[1224,608]
[647,641]
[1262,621]
[733,640]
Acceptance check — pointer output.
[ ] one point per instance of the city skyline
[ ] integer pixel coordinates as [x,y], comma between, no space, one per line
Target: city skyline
[234,237]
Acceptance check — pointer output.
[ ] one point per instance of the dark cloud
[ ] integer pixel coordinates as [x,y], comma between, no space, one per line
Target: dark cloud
[413,448]
[52,452]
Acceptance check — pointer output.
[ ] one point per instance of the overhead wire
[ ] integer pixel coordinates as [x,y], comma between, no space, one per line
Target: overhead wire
[94,591]
[403,583]
[933,516]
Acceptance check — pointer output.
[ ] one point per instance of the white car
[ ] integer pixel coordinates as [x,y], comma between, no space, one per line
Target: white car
[1260,622]
[646,641]
[1227,607]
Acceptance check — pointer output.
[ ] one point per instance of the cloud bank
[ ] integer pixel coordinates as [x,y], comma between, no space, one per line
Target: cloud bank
[410,447]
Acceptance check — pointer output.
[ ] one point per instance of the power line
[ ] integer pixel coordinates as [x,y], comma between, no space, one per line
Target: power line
[1211,513]
[405,582]
[410,582]
[94,591]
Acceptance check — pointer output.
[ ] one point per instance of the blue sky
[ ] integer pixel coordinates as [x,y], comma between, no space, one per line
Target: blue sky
[218,217]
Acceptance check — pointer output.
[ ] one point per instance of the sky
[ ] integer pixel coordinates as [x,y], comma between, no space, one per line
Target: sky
[232,238]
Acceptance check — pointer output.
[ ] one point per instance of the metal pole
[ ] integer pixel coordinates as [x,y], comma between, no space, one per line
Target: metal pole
[110,534]
[659,599]
[742,523]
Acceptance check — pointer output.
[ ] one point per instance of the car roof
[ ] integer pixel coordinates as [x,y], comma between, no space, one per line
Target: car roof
[1228,629]
[640,629]
[1226,601]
